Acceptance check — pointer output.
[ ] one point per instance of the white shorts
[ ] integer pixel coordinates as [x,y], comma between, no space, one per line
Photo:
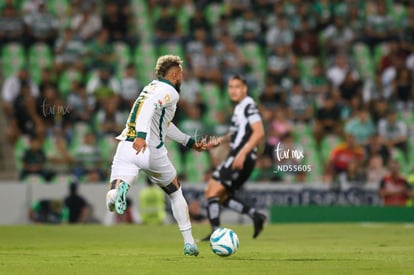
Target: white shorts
[154,162]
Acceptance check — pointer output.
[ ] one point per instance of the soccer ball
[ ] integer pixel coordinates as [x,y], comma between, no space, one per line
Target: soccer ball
[224,242]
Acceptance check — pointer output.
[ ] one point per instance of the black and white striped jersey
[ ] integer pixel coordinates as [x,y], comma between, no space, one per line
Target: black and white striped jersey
[245,113]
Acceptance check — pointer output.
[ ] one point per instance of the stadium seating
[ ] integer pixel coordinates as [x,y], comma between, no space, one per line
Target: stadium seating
[13,57]
[123,57]
[145,58]
[144,55]
[40,56]
[66,80]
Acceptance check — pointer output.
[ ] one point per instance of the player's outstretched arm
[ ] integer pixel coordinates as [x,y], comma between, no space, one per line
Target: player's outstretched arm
[177,135]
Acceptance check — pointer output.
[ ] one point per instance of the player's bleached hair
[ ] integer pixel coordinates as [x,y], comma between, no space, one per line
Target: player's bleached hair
[166,62]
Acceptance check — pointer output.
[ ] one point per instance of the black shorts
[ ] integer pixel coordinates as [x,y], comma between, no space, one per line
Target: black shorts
[234,179]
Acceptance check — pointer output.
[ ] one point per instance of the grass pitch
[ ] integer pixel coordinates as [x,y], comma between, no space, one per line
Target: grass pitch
[281,249]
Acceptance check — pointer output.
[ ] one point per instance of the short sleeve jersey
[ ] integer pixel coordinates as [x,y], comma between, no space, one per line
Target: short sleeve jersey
[245,114]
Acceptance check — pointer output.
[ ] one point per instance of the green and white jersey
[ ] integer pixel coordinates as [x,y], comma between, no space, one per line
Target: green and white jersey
[152,113]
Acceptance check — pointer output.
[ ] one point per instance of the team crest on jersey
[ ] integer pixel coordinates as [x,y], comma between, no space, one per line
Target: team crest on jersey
[167,98]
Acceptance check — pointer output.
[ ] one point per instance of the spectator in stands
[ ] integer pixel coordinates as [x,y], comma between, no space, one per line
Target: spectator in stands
[394,132]
[86,24]
[34,161]
[305,42]
[116,19]
[407,36]
[233,61]
[379,109]
[47,78]
[194,46]
[69,51]
[130,87]
[293,75]
[88,160]
[30,6]
[206,67]
[222,27]
[198,21]
[336,73]
[350,87]
[360,126]
[104,85]
[279,33]
[376,147]
[42,26]
[338,37]
[24,119]
[12,88]
[248,28]
[166,28]
[190,90]
[76,205]
[110,120]
[279,61]
[356,21]
[317,84]
[379,26]
[387,53]
[327,119]
[11,26]
[403,89]
[80,103]
[375,171]
[272,96]
[342,155]
[323,14]
[355,174]
[275,14]
[300,105]
[394,188]
[237,7]
[100,52]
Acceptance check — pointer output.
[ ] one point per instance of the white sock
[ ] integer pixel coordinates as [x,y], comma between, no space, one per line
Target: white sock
[180,212]
[110,198]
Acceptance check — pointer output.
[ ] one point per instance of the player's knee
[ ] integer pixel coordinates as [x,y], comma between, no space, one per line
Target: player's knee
[214,189]
[171,188]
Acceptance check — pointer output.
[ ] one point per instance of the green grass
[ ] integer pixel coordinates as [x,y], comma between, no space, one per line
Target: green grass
[281,249]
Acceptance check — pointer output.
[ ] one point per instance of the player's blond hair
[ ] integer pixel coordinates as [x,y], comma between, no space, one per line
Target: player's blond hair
[166,62]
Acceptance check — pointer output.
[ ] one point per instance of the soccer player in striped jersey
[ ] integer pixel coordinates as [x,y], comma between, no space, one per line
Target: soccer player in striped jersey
[141,146]
[245,133]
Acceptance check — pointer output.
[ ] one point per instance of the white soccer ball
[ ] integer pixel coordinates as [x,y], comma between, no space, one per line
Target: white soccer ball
[224,242]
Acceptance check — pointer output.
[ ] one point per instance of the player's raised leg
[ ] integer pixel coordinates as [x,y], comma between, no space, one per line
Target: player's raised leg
[116,196]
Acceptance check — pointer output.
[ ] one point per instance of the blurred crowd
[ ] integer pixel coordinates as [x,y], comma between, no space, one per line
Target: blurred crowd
[333,79]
